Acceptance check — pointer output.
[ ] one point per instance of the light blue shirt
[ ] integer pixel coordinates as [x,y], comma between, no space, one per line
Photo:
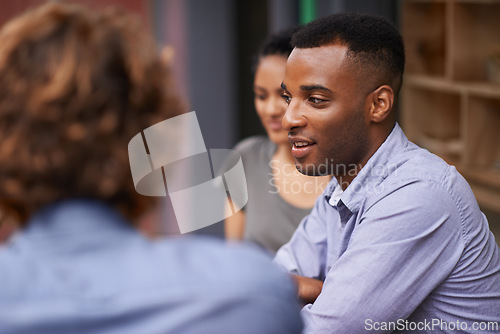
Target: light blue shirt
[80,268]
[405,248]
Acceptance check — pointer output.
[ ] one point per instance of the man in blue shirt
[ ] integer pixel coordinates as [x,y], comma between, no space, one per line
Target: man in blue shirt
[75,86]
[397,242]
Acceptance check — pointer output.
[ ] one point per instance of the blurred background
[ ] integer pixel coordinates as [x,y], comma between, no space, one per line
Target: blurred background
[450,102]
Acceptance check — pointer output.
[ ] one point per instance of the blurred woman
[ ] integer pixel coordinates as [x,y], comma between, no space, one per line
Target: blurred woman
[278,195]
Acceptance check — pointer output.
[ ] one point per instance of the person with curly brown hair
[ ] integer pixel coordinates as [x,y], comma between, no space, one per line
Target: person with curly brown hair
[75,86]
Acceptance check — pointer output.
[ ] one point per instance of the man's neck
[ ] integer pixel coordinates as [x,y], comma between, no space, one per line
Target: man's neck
[377,139]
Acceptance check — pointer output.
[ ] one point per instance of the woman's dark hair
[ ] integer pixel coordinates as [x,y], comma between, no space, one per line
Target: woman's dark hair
[278,44]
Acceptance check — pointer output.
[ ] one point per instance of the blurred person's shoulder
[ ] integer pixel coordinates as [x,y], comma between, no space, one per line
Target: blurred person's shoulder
[205,284]
[255,151]
[17,269]
[261,297]
[253,145]
[219,262]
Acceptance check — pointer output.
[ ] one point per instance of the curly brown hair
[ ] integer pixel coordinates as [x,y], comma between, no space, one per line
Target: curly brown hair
[75,86]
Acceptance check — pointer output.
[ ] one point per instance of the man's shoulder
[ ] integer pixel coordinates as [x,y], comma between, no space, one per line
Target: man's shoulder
[424,176]
[416,164]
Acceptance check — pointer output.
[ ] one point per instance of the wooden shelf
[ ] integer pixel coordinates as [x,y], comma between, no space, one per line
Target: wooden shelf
[474,33]
[434,111]
[434,83]
[485,89]
[482,147]
[477,1]
[487,198]
[485,177]
[448,149]
[447,104]
[425,48]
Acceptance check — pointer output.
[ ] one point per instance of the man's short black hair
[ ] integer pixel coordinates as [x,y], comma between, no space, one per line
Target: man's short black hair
[374,44]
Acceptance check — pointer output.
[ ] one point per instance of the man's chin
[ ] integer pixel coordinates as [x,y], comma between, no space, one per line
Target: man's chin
[312,169]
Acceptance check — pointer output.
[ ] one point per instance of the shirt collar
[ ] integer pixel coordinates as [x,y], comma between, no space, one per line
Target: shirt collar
[371,175]
[336,194]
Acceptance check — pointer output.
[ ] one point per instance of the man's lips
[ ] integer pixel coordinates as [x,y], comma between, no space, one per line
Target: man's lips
[301,146]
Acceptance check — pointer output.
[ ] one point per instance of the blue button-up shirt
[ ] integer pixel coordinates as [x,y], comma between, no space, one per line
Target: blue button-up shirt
[404,248]
[80,268]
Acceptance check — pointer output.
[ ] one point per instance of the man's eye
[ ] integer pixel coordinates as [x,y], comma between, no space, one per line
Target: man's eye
[286,98]
[315,100]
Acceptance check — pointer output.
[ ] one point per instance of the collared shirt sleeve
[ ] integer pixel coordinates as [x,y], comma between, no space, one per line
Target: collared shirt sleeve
[305,253]
[402,247]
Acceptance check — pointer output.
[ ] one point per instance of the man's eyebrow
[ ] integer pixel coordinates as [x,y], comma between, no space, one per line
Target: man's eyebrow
[314,87]
[308,88]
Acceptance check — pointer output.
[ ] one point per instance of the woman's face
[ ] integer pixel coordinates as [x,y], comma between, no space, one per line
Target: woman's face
[269,102]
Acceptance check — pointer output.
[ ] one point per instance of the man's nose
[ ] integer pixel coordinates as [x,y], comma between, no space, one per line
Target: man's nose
[293,117]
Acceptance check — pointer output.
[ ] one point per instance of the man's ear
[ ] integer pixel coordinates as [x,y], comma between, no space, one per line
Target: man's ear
[381,101]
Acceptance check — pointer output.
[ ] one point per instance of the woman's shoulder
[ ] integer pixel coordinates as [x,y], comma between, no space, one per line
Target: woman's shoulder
[251,144]
[256,148]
